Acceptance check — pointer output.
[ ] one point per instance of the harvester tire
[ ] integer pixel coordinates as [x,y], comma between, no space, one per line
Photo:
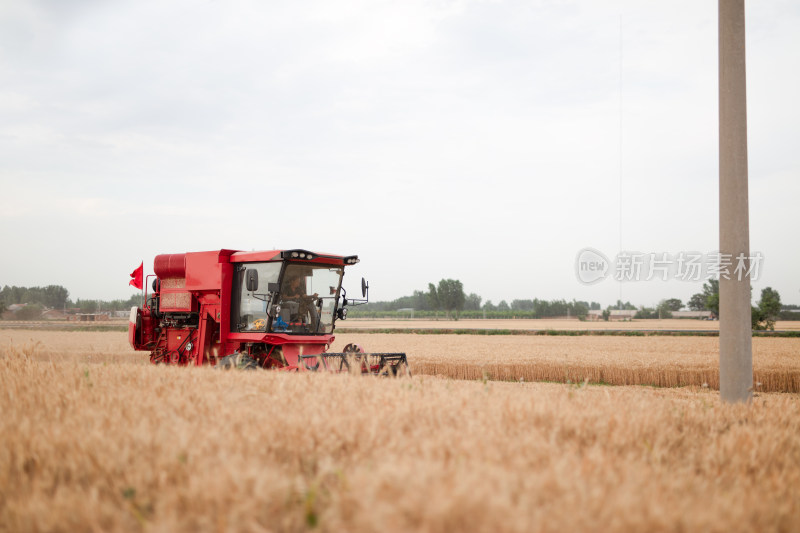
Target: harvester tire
[397,371]
[239,361]
[312,367]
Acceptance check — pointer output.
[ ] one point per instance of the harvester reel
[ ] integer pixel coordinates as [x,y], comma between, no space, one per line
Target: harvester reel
[353,348]
[353,358]
[350,357]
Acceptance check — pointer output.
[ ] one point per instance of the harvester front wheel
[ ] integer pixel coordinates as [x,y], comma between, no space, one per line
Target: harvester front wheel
[240,361]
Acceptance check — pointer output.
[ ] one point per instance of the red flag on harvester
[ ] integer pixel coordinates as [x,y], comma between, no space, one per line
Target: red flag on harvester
[136,276]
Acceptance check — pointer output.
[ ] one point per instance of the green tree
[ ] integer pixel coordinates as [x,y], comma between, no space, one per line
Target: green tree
[711,292]
[473,302]
[51,296]
[15,294]
[448,296]
[86,306]
[709,298]
[673,304]
[420,301]
[664,308]
[489,306]
[625,306]
[55,296]
[756,318]
[433,297]
[768,310]
[503,306]
[29,312]
[646,312]
[579,309]
[697,302]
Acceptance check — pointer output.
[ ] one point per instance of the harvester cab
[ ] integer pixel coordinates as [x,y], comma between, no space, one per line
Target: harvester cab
[274,309]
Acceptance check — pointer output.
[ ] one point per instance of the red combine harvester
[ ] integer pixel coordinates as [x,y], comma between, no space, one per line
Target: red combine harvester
[273,309]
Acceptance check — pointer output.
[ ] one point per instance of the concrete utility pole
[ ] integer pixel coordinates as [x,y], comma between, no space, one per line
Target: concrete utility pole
[735,329]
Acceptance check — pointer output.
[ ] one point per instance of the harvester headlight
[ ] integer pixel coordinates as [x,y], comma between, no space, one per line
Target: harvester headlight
[298,254]
[189,346]
[351,260]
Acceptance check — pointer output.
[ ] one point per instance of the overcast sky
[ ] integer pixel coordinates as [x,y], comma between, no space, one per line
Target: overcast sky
[474,140]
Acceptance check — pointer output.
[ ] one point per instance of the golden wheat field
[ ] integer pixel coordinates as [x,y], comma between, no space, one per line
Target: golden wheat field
[114,445]
[84,346]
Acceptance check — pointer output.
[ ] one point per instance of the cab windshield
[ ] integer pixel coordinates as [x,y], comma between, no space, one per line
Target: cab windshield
[307,301]
[301,298]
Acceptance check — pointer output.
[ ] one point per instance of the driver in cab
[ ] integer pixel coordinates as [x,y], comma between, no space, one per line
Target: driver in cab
[294,290]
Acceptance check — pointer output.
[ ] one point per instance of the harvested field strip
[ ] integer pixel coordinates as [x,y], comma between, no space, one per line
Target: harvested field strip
[656,361]
[566,332]
[546,324]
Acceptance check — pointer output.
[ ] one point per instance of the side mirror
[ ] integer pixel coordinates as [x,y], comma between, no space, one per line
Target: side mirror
[364,287]
[251,277]
[342,313]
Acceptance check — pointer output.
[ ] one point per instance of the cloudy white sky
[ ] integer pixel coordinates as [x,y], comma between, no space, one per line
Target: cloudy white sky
[478,140]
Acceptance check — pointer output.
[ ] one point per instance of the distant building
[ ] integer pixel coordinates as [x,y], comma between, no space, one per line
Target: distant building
[622,314]
[614,314]
[703,315]
[54,314]
[11,311]
[594,315]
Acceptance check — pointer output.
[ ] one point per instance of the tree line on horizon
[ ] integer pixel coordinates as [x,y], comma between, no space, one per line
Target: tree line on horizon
[39,299]
[448,296]
[763,315]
